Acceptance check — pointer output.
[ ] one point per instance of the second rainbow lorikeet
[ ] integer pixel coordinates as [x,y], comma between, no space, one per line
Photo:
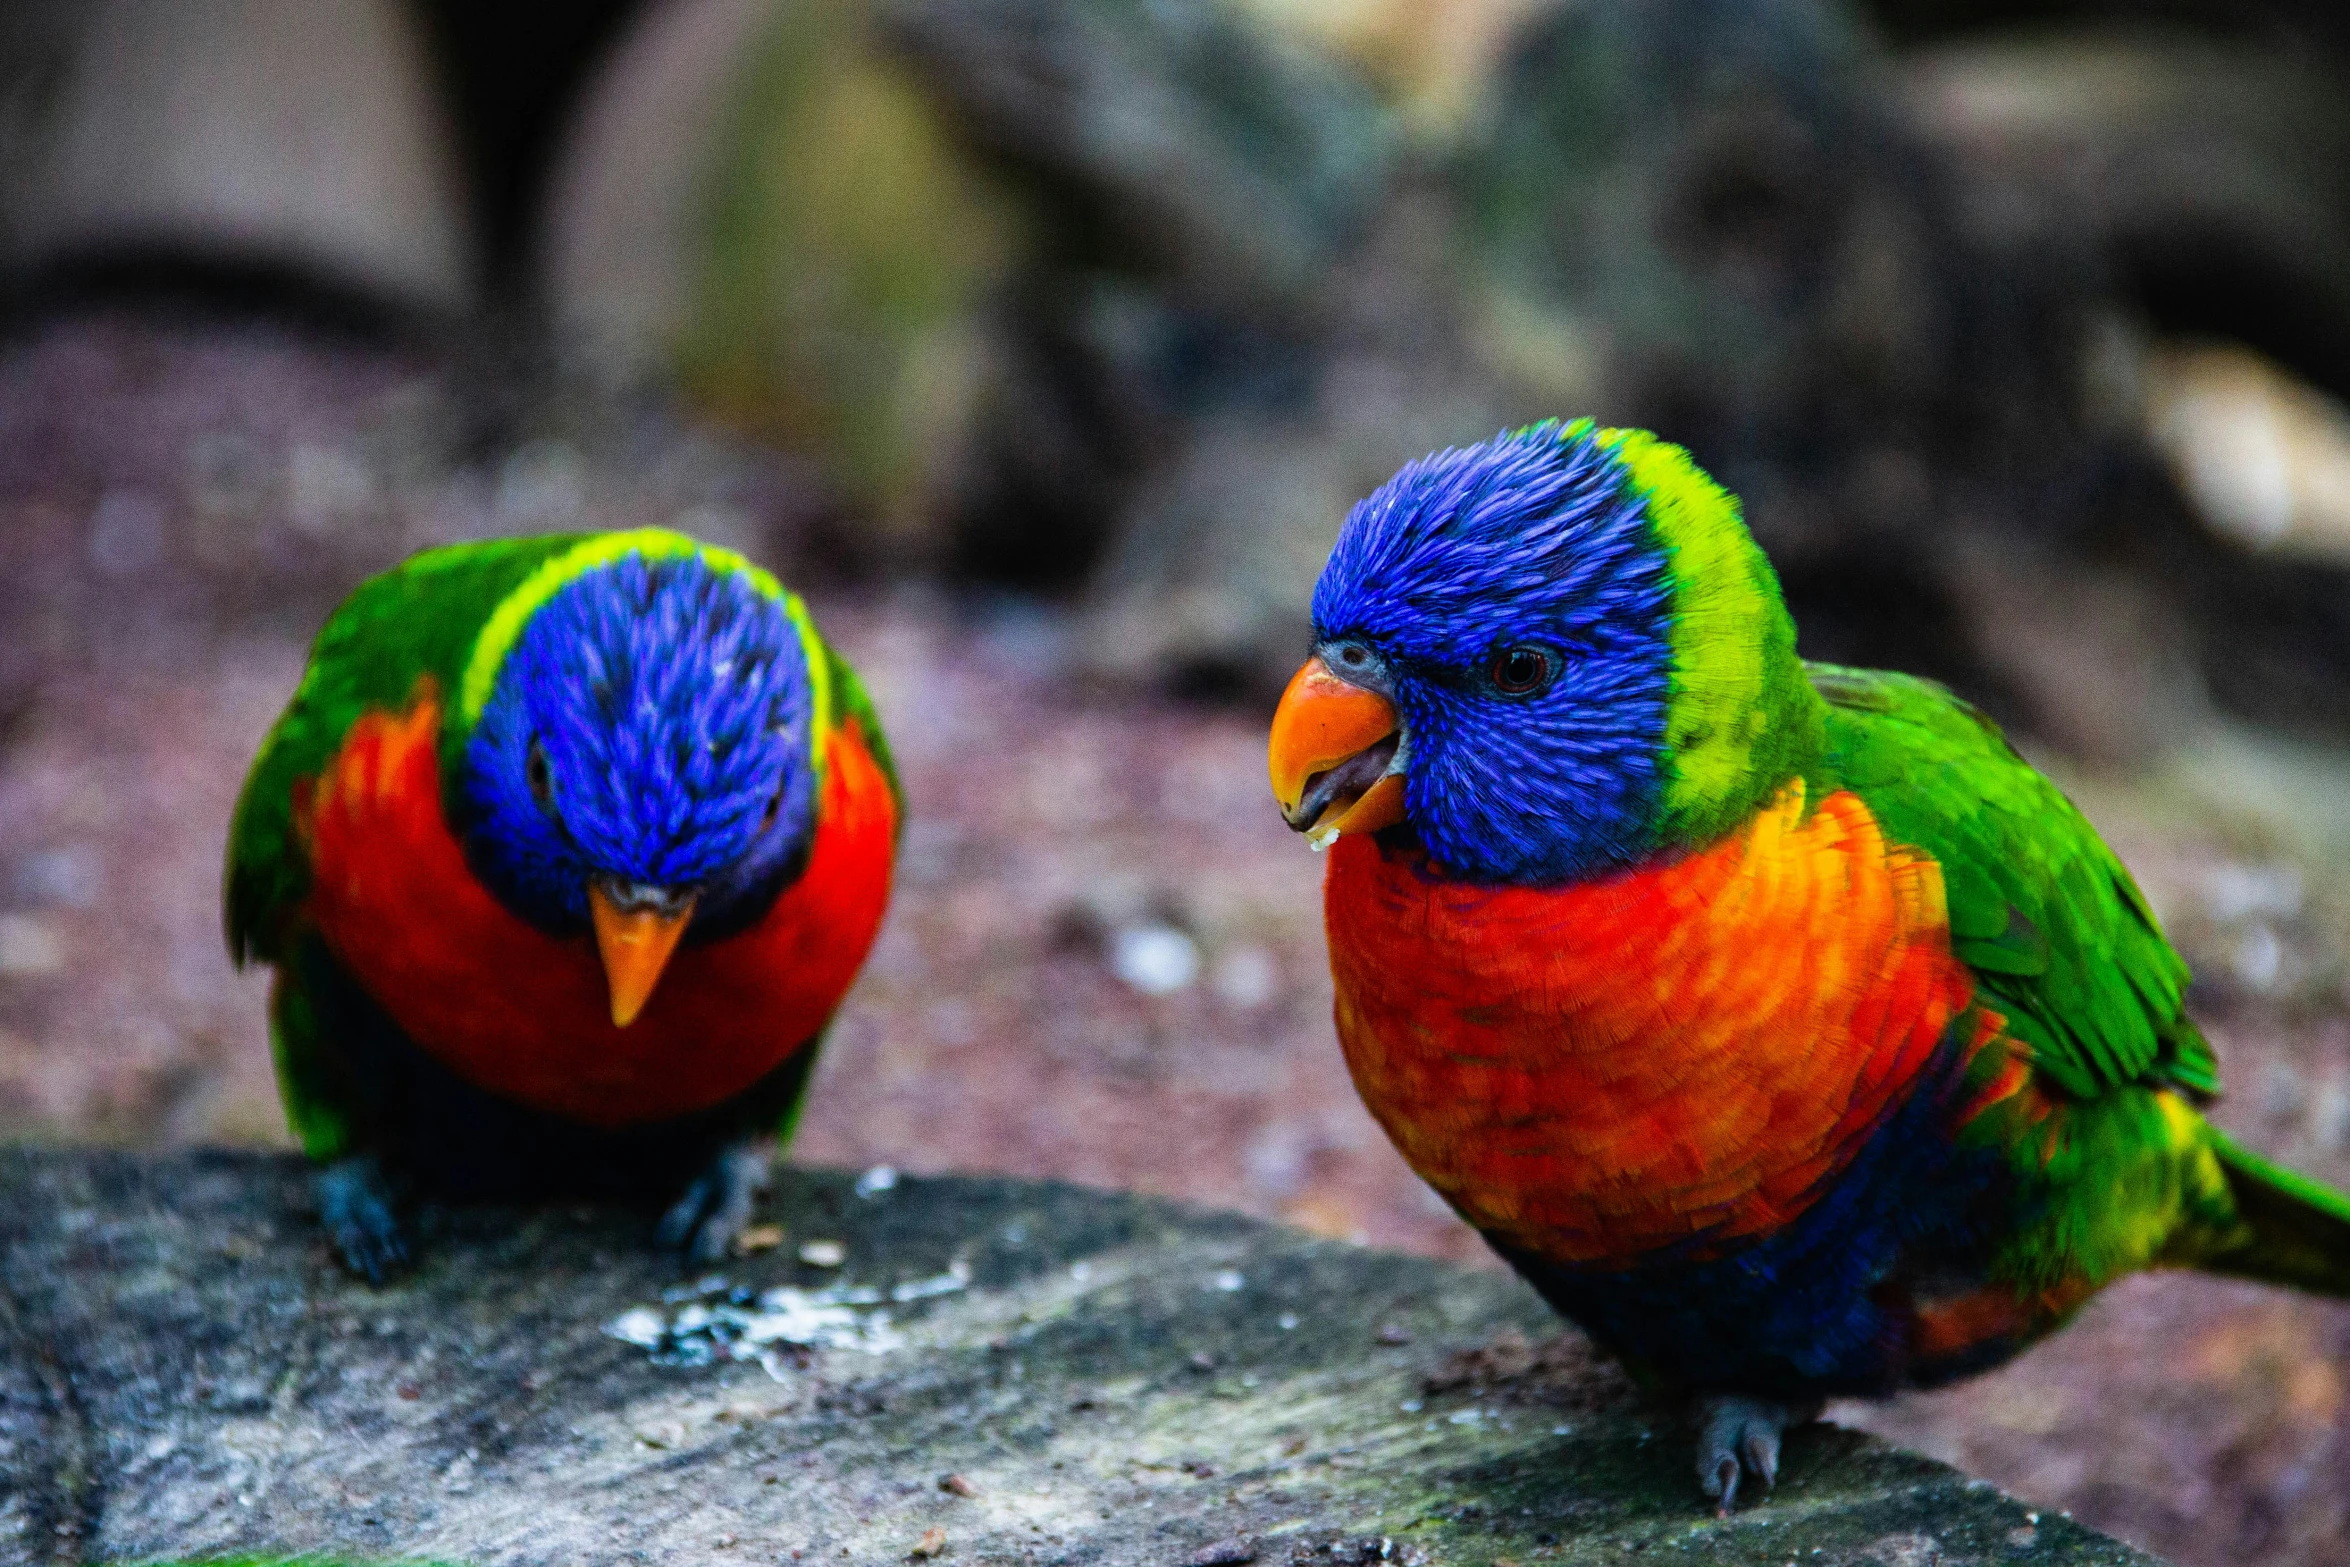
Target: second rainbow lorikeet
[564,852]
[1782,1026]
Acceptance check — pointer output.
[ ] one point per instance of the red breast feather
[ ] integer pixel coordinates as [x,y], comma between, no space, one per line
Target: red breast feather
[1677,1056]
[526,1015]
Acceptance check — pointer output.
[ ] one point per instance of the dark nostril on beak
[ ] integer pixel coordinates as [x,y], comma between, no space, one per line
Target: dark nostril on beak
[644,897]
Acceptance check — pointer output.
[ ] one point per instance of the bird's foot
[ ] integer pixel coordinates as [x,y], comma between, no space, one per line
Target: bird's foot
[1739,1436]
[717,1206]
[355,1204]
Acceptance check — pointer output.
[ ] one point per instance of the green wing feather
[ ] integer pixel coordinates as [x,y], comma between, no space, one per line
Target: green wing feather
[2060,938]
[420,618]
[2062,941]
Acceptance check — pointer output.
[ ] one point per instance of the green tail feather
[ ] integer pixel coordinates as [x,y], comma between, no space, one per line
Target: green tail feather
[2299,1229]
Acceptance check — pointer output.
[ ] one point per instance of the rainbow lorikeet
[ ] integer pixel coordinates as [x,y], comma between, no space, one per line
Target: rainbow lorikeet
[564,852]
[1782,1026]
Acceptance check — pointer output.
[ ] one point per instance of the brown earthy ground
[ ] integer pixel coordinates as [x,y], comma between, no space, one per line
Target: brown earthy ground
[180,506]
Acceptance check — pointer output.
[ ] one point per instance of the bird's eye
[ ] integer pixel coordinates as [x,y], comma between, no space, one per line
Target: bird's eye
[1522,670]
[534,771]
[1353,655]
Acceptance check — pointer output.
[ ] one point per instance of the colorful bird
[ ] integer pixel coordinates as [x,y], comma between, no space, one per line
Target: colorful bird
[1775,1020]
[564,852]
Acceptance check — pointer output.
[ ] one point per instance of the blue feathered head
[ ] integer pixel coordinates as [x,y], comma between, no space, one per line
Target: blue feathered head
[644,731]
[1577,652]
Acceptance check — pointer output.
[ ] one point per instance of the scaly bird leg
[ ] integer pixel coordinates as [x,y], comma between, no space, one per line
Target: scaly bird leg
[1741,1435]
[355,1204]
[717,1206]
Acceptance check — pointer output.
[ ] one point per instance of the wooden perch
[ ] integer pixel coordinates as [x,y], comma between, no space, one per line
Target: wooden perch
[1016,1372]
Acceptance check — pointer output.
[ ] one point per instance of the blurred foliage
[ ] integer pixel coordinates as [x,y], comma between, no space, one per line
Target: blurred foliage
[1429,58]
[1132,297]
[849,244]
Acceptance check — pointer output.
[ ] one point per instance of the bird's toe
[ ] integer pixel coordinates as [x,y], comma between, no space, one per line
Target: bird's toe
[1720,1482]
[355,1204]
[714,1239]
[683,1221]
[718,1205]
[1739,1437]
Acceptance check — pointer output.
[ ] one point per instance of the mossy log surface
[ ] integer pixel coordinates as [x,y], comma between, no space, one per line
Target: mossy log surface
[1107,1378]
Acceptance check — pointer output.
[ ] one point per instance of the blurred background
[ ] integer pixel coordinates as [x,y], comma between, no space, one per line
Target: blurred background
[1046,342]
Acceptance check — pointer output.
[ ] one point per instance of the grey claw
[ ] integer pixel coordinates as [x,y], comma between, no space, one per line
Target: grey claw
[1760,1451]
[1722,1485]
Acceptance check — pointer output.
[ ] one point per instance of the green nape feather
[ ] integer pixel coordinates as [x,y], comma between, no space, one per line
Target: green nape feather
[1741,717]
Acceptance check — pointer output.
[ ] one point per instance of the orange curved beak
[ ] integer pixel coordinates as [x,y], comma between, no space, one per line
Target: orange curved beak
[1328,759]
[635,945]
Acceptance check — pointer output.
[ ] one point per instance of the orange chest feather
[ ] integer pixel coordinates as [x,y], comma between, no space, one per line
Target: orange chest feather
[527,1015]
[1676,1056]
